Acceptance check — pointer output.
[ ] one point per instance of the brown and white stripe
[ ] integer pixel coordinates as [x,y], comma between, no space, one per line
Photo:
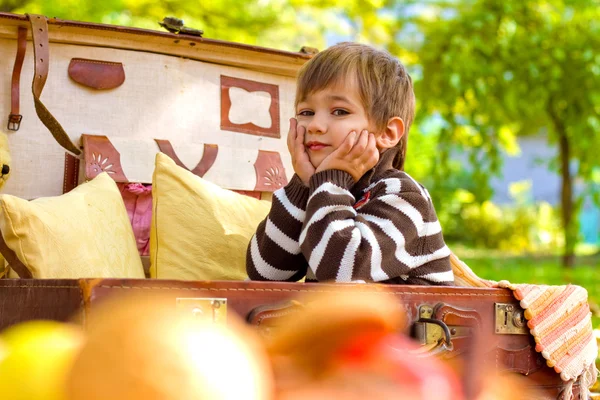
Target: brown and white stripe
[394,237]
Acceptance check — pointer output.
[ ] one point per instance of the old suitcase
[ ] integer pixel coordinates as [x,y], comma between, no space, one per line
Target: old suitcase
[105,98]
[461,312]
[217,108]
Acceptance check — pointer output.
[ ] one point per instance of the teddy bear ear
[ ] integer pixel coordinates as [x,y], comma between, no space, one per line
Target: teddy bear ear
[4,149]
[5,159]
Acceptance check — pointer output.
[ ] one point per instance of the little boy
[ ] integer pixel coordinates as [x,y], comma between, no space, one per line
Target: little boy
[349,214]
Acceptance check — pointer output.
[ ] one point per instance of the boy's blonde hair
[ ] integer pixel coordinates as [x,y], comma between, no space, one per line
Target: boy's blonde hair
[385,87]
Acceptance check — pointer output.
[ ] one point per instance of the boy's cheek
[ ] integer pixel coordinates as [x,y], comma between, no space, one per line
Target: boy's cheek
[302,121]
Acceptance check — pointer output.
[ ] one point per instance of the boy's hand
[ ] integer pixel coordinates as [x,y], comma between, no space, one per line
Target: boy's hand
[300,161]
[356,155]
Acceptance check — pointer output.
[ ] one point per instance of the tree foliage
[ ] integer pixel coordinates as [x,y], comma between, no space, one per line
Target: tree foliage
[281,24]
[495,70]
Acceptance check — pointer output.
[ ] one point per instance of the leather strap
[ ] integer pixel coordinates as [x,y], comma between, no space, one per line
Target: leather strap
[208,157]
[39,29]
[14,119]
[71,173]
[13,261]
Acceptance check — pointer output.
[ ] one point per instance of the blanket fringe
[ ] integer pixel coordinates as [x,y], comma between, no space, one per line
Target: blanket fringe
[588,378]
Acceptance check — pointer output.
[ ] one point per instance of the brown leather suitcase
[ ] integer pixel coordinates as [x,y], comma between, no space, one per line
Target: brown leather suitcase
[448,315]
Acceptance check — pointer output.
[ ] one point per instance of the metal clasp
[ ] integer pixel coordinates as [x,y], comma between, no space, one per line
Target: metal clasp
[207,309]
[429,331]
[510,320]
[14,122]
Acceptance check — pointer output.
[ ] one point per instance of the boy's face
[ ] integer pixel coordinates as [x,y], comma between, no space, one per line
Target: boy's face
[329,115]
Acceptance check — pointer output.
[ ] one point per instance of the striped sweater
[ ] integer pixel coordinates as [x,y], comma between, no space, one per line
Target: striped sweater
[382,228]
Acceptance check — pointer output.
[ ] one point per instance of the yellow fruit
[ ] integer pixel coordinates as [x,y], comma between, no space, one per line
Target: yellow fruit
[142,348]
[36,360]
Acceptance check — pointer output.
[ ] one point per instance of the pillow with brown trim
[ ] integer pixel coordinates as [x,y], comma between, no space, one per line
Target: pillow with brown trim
[199,231]
[85,233]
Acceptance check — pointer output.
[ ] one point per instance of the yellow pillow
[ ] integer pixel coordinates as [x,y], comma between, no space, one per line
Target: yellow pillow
[199,230]
[85,233]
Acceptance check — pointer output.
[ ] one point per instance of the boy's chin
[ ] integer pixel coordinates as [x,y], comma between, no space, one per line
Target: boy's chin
[315,163]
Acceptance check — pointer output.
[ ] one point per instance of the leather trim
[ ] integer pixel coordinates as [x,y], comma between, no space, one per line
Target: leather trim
[97,29]
[524,361]
[228,82]
[208,159]
[270,172]
[71,174]
[101,156]
[208,156]
[34,299]
[14,119]
[457,316]
[13,261]
[146,265]
[39,29]
[97,74]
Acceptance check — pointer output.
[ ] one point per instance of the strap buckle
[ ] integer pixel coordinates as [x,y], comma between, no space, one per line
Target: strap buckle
[14,122]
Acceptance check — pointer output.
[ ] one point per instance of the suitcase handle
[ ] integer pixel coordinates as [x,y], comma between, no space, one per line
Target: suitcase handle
[434,349]
[440,327]
[447,338]
[264,317]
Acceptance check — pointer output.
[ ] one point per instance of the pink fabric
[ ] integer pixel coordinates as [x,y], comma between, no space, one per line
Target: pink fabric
[138,203]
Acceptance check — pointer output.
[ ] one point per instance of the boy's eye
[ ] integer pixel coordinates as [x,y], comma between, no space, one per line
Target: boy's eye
[306,113]
[339,111]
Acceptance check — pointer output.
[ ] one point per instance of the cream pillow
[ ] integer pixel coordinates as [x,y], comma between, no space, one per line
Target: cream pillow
[199,230]
[82,234]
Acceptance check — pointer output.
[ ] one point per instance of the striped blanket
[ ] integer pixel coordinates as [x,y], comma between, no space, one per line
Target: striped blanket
[558,318]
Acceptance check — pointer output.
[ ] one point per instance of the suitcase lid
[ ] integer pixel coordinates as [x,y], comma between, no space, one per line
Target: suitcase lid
[256,58]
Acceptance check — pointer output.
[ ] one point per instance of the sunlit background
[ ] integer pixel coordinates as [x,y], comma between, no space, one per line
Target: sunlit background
[508,109]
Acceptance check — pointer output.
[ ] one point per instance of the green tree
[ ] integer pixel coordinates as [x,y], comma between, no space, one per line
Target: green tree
[282,24]
[252,21]
[495,70]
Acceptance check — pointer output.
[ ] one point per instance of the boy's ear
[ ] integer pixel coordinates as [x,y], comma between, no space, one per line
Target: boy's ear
[392,134]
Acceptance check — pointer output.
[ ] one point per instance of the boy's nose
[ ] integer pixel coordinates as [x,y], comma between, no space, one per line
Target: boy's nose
[316,126]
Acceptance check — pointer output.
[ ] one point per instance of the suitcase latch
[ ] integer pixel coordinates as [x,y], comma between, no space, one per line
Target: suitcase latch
[207,309]
[510,320]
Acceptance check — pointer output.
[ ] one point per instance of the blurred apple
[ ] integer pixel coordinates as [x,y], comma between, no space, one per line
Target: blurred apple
[350,346]
[143,348]
[37,356]
[2,351]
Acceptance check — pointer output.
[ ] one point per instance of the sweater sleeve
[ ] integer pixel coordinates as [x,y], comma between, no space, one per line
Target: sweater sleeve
[274,252]
[391,236]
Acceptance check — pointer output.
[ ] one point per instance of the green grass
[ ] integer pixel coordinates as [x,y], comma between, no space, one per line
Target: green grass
[541,269]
